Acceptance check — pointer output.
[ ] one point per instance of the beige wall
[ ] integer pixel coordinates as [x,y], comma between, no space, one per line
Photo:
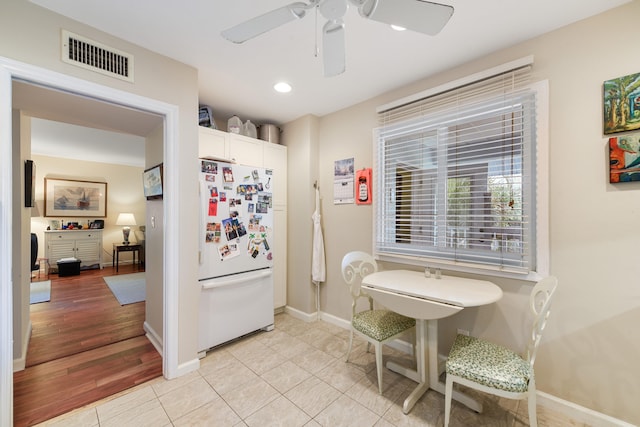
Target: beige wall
[155,241]
[21,273]
[301,140]
[31,34]
[590,349]
[124,194]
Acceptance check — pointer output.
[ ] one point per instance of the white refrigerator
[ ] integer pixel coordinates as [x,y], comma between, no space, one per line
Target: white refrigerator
[235,254]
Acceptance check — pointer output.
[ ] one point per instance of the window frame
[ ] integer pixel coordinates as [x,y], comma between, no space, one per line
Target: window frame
[541,209]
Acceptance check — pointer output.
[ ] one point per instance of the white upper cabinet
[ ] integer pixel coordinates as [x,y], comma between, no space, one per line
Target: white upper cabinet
[212,143]
[246,151]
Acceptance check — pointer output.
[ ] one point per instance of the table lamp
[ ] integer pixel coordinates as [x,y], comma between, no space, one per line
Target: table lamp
[126,219]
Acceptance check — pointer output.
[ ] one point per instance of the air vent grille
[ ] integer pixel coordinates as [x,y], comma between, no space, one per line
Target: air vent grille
[91,55]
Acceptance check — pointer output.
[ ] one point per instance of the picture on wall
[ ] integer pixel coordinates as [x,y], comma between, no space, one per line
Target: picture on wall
[624,158]
[29,184]
[152,182]
[622,104]
[67,197]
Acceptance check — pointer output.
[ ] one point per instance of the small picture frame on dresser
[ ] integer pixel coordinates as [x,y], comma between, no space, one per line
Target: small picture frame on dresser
[98,224]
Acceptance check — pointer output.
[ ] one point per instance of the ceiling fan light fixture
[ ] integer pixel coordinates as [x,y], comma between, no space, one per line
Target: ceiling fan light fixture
[282,87]
[333,45]
[417,15]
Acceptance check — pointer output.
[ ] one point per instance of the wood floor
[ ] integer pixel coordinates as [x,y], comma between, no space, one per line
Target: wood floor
[84,346]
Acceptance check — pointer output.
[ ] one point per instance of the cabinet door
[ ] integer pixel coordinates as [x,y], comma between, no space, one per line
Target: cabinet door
[88,251]
[275,157]
[280,259]
[245,151]
[212,143]
[63,248]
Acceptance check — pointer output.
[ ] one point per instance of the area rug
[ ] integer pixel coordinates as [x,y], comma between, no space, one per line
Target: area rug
[40,292]
[127,288]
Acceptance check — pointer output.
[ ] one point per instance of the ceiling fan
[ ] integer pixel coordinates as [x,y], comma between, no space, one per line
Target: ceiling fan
[417,15]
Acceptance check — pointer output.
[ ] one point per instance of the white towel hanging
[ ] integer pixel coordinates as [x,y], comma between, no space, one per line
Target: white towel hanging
[318,265]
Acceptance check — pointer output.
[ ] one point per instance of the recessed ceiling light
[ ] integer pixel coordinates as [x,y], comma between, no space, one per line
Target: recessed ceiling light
[398,28]
[282,87]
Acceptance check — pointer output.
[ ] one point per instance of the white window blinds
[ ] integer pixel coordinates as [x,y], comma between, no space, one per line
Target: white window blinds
[457,170]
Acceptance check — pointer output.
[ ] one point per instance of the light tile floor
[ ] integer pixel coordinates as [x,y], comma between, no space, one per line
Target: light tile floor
[294,375]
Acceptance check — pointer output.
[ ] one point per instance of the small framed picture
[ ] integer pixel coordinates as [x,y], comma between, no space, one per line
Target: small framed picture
[29,184]
[97,224]
[152,182]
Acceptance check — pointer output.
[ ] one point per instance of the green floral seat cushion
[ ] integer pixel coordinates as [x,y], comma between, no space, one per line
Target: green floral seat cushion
[381,324]
[488,364]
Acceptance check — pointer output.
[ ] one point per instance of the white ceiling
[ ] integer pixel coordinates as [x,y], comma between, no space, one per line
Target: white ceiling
[76,127]
[239,78]
[56,139]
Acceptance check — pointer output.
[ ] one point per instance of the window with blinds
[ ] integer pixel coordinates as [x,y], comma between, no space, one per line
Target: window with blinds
[456,173]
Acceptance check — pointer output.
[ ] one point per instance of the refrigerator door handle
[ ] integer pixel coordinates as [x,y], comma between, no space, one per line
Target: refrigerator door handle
[237,279]
[202,219]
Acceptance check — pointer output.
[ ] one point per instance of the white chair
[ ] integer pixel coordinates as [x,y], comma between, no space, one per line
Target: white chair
[375,326]
[494,369]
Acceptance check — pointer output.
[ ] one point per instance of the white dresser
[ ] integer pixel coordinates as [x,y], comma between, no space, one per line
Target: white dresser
[85,245]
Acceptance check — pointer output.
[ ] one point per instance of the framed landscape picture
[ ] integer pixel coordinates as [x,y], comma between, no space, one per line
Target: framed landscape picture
[67,197]
[621,104]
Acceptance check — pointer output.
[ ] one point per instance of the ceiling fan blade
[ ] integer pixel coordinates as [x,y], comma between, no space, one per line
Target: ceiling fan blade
[266,22]
[416,15]
[333,46]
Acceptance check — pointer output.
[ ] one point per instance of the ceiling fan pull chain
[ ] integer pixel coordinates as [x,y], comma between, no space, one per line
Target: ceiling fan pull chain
[316,48]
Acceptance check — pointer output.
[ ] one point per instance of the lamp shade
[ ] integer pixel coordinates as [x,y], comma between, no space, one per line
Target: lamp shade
[126,219]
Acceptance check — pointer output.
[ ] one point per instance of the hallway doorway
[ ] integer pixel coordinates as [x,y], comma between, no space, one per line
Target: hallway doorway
[10,73]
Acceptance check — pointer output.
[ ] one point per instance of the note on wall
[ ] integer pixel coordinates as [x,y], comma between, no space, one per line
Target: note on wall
[343,190]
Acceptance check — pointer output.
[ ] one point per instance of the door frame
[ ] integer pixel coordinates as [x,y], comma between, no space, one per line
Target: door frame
[11,70]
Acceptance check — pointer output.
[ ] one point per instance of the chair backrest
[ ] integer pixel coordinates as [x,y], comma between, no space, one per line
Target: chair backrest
[34,252]
[355,266]
[540,304]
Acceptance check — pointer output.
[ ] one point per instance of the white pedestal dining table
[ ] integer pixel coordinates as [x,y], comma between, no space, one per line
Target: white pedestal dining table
[428,299]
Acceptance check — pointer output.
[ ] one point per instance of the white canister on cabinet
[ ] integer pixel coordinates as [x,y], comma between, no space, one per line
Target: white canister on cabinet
[250,129]
[234,125]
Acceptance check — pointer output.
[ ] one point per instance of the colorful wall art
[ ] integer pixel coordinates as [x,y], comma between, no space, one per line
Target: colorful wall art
[622,104]
[624,158]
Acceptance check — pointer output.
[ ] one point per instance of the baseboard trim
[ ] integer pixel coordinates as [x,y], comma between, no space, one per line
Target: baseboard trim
[152,336]
[578,413]
[156,340]
[185,368]
[20,363]
[574,411]
[300,314]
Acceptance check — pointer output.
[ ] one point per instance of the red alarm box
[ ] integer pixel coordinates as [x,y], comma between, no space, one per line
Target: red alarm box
[363,186]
